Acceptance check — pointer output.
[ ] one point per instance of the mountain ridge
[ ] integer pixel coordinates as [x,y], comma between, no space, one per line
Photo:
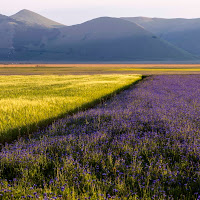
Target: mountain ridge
[101,39]
[109,39]
[181,32]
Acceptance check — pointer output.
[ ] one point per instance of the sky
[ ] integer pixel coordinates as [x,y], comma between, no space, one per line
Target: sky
[71,12]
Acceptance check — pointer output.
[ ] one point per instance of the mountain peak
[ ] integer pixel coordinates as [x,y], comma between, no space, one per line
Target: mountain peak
[25,10]
[32,18]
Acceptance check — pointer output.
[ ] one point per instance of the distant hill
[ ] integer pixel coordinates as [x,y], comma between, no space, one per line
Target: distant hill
[101,39]
[113,39]
[3,17]
[184,33]
[20,41]
[32,18]
[7,31]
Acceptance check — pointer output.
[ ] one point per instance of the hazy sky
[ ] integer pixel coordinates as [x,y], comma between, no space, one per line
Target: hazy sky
[76,11]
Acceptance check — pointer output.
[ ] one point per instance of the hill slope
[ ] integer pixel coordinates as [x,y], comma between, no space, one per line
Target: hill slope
[32,18]
[7,31]
[184,33]
[112,39]
[101,39]
[19,41]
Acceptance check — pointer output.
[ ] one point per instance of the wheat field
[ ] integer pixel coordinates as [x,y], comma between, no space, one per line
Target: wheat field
[28,102]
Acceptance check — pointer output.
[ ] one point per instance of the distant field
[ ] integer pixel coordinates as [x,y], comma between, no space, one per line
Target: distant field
[30,101]
[74,69]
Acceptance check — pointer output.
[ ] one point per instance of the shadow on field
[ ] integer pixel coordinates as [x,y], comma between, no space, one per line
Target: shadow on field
[14,134]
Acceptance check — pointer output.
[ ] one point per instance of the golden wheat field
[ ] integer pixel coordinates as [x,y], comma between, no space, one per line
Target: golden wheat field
[27,102]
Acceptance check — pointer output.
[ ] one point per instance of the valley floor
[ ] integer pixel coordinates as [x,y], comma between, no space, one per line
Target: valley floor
[142,144]
[83,69]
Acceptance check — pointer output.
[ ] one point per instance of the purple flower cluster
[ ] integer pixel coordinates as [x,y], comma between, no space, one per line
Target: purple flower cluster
[143,143]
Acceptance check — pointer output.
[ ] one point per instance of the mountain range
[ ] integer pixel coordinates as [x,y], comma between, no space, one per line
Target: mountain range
[28,36]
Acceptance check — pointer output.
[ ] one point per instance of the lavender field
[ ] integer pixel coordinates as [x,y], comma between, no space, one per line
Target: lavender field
[142,144]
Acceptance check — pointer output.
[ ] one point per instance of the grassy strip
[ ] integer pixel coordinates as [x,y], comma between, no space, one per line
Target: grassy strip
[31,102]
[158,69]
[83,69]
